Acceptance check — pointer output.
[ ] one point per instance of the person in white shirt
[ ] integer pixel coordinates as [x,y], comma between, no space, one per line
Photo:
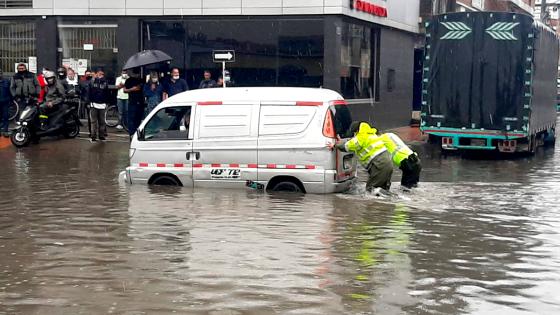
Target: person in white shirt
[122,99]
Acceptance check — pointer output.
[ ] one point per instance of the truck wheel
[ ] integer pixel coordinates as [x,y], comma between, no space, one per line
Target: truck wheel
[533,144]
[550,137]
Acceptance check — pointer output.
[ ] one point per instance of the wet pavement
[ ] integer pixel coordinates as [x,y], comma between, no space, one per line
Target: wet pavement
[478,237]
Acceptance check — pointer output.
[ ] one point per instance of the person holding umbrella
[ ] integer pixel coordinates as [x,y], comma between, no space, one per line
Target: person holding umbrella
[133,87]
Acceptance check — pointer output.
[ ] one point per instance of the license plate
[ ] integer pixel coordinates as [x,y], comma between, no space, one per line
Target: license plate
[478,142]
[225,173]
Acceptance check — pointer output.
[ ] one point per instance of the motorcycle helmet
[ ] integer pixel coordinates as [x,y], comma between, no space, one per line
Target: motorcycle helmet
[50,77]
[61,72]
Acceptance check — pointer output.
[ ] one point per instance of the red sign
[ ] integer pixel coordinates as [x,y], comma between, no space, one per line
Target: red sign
[364,6]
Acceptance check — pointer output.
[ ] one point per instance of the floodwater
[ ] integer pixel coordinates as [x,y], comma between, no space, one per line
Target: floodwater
[478,237]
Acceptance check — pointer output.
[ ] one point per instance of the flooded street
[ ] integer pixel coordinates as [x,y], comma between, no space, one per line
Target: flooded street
[478,237]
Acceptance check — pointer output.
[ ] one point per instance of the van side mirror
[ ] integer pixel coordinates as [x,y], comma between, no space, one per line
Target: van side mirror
[140,134]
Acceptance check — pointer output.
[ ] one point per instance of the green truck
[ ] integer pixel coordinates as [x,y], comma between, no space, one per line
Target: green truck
[489,82]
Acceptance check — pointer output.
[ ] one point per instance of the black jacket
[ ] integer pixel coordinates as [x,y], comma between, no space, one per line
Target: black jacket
[98,91]
[25,85]
[205,84]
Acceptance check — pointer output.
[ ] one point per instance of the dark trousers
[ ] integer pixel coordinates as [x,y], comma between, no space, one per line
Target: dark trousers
[135,115]
[4,115]
[97,122]
[411,169]
[380,170]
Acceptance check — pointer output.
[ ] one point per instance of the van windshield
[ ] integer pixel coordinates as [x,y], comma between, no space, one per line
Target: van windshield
[342,120]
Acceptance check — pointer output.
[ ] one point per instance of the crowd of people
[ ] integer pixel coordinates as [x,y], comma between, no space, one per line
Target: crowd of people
[136,96]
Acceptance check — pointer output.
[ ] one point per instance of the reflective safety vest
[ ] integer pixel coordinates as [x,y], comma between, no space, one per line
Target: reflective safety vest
[396,147]
[366,144]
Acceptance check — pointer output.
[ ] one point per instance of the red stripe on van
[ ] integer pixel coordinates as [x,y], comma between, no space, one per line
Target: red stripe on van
[179,165]
[197,165]
[310,167]
[301,103]
[270,165]
[253,166]
[210,103]
[216,165]
[234,165]
[290,166]
[338,102]
[160,165]
[143,164]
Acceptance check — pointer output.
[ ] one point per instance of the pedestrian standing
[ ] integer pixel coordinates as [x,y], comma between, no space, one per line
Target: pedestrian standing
[175,84]
[153,92]
[99,96]
[62,74]
[5,102]
[133,86]
[208,82]
[220,82]
[371,152]
[122,99]
[72,85]
[24,85]
[84,86]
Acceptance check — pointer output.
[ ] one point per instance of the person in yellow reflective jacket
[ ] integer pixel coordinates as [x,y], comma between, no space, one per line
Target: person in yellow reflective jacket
[404,158]
[371,152]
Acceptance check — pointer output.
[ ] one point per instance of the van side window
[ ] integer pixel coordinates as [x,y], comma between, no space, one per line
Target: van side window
[171,123]
[225,121]
[282,120]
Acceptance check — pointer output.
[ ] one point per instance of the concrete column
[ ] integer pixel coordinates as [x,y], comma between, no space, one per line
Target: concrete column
[46,33]
[128,39]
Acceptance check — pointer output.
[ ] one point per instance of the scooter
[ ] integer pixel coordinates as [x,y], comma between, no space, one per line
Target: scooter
[32,126]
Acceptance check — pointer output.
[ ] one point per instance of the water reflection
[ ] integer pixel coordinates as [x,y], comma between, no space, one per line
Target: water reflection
[476,237]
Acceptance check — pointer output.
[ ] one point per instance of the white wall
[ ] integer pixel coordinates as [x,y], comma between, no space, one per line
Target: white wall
[401,14]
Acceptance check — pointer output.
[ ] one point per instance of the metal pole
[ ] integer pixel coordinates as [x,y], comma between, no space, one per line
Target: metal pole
[224,73]
[544,13]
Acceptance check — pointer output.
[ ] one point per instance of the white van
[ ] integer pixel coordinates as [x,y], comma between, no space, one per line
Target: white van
[228,137]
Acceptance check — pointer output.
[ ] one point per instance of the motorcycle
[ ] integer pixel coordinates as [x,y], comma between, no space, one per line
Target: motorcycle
[31,125]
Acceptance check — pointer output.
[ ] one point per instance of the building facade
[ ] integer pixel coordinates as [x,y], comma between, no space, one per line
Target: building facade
[547,11]
[362,48]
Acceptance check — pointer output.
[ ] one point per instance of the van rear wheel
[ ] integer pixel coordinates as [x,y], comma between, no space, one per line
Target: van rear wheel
[287,187]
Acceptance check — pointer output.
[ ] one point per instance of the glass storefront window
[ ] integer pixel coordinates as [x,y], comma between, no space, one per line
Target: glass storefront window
[17,44]
[103,39]
[300,53]
[359,57]
[269,52]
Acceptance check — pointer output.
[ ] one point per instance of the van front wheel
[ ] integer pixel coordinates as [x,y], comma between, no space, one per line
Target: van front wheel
[165,180]
[287,187]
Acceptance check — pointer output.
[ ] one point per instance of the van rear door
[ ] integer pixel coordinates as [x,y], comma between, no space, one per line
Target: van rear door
[341,119]
[225,144]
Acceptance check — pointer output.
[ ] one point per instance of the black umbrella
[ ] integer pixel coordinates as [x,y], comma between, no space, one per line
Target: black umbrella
[146,57]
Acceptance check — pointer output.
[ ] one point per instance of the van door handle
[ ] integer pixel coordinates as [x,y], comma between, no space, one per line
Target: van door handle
[190,156]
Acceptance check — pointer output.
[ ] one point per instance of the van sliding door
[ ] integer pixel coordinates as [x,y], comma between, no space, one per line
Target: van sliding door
[225,145]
